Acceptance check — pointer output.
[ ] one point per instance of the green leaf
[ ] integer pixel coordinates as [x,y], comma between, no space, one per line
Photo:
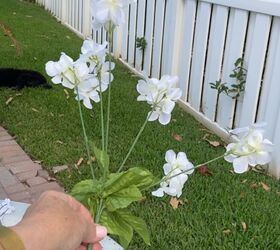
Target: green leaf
[123,198]
[117,226]
[138,224]
[84,189]
[102,159]
[138,177]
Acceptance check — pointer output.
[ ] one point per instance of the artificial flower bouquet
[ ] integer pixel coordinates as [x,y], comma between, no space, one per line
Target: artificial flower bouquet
[108,195]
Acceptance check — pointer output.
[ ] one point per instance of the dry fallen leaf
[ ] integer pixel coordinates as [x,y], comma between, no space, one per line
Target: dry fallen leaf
[80,161]
[9,100]
[213,143]
[204,171]
[278,193]
[93,158]
[38,162]
[265,187]
[35,110]
[66,93]
[227,231]
[242,195]
[244,181]
[177,137]
[60,142]
[244,226]
[174,202]
[58,169]
[254,185]
[51,179]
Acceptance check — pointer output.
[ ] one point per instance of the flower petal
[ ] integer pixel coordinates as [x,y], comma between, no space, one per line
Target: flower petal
[164,119]
[240,165]
[158,193]
[170,156]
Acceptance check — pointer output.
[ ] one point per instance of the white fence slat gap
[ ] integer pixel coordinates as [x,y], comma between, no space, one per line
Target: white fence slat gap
[149,35]
[158,33]
[255,69]
[132,33]
[234,49]
[214,59]
[140,32]
[199,54]
[186,45]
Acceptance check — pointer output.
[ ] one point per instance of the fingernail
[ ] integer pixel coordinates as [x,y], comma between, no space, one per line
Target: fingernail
[101,232]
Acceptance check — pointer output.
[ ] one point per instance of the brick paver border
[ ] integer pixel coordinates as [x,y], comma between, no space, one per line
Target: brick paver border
[20,178]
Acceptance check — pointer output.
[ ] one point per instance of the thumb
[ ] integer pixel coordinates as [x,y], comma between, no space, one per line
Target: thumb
[95,233]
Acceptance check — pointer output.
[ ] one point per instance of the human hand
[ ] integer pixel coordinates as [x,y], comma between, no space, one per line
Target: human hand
[57,221]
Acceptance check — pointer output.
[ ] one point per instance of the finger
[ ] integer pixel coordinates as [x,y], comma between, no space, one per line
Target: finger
[97,246]
[95,233]
[81,248]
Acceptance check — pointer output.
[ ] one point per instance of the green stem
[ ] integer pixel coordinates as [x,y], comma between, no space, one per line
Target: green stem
[166,178]
[85,134]
[102,117]
[195,167]
[110,34]
[97,219]
[134,143]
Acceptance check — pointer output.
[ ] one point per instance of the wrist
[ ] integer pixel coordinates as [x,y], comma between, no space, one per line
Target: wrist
[35,234]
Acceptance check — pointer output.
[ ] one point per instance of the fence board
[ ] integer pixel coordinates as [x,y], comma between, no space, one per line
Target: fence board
[274,166]
[214,59]
[249,40]
[269,100]
[140,32]
[255,69]
[187,45]
[125,35]
[199,54]
[158,34]
[132,33]
[149,35]
[234,49]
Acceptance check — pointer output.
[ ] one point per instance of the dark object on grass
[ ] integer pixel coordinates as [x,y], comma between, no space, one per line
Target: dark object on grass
[20,78]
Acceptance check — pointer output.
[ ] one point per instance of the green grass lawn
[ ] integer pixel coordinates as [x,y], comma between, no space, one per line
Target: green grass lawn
[46,124]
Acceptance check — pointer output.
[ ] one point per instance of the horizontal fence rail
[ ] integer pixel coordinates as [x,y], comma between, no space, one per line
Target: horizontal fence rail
[200,40]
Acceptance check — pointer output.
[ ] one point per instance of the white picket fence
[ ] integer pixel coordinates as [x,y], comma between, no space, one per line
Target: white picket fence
[199,40]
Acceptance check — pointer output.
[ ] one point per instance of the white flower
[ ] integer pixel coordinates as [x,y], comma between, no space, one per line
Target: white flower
[251,150]
[104,75]
[93,54]
[161,95]
[67,72]
[178,166]
[105,12]
[87,91]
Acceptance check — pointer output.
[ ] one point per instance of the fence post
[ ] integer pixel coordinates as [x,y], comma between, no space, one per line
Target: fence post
[86,18]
